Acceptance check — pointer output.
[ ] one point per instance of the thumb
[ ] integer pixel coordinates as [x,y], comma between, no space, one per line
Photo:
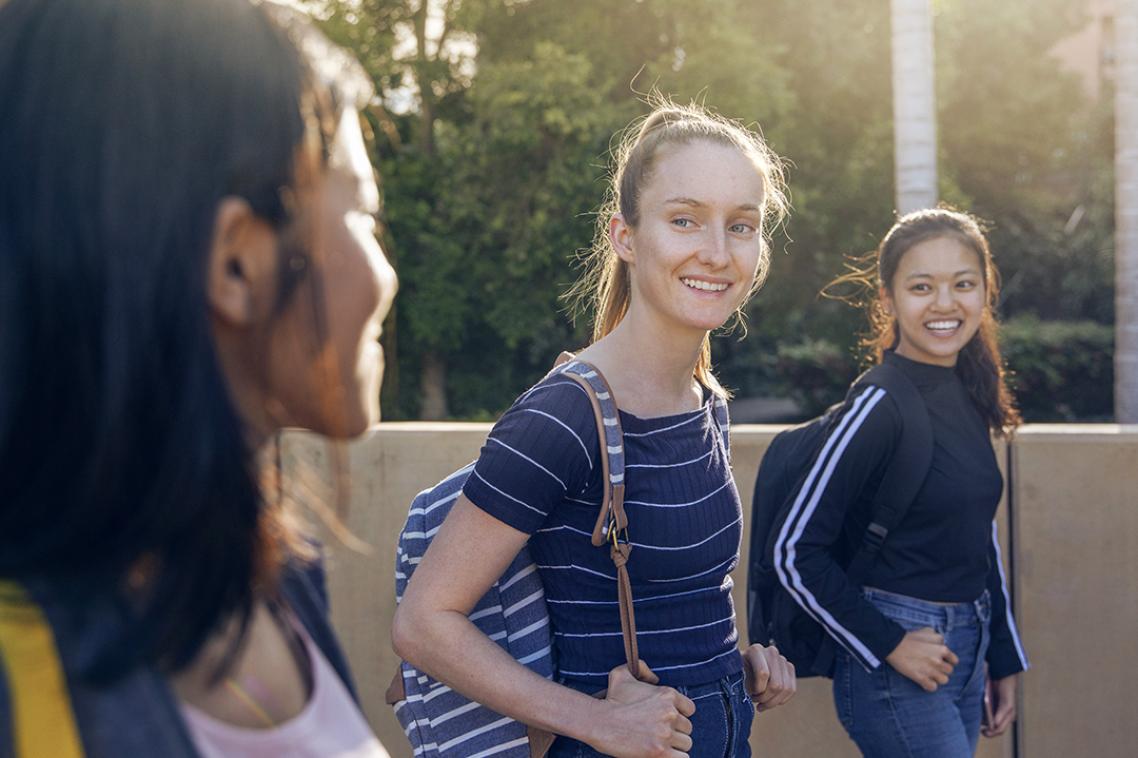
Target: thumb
[647,675]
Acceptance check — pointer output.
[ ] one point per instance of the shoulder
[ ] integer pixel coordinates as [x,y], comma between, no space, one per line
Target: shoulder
[553,408]
[870,417]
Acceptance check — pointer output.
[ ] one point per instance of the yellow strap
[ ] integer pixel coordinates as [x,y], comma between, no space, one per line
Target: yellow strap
[42,721]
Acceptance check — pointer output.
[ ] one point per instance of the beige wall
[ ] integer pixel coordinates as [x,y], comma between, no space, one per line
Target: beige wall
[1076,542]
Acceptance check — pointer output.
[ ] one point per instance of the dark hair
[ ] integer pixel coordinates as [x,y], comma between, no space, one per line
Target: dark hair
[125,123]
[979,364]
[604,286]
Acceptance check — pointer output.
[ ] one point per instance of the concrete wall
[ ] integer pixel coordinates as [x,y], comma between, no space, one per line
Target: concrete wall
[1074,553]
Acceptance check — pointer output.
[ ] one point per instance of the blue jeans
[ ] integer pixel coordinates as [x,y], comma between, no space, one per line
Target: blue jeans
[888,715]
[721,724]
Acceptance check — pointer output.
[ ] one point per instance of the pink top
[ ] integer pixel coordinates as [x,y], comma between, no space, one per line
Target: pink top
[329,726]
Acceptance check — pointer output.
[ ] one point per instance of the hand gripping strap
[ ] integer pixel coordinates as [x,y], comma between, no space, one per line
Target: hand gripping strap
[43,723]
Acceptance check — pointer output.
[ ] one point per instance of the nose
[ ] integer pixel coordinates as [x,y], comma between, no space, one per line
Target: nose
[713,248]
[945,297]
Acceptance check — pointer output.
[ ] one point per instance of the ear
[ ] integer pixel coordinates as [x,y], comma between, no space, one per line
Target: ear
[886,299]
[620,236]
[242,264]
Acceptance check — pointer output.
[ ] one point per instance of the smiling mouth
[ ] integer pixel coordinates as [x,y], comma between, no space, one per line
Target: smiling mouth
[943,326]
[698,284]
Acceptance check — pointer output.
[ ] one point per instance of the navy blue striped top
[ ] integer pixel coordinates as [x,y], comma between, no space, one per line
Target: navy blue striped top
[540,472]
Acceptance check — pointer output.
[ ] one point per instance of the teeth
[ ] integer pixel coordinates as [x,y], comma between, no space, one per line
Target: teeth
[942,325]
[705,286]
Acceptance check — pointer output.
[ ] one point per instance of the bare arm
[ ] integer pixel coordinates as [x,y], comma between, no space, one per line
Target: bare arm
[432,632]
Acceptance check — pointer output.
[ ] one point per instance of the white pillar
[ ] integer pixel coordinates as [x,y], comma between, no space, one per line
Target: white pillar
[1126,213]
[914,105]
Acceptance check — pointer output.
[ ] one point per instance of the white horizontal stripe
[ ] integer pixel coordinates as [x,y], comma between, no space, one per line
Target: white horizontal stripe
[640,632]
[534,656]
[1008,601]
[712,570]
[442,689]
[523,603]
[503,493]
[517,577]
[485,612]
[638,599]
[575,567]
[680,505]
[523,456]
[503,747]
[694,544]
[669,465]
[473,733]
[551,385]
[658,668]
[442,718]
[569,429]
[435,504]
[514,636]
[699,663]
[565,528]
[698,414]
[452,475]
[805,504]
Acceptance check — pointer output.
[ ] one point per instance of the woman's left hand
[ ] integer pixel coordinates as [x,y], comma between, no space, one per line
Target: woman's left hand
[769,678]
[1000,695]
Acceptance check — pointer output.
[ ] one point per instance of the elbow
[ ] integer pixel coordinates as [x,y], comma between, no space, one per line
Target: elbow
[403,633]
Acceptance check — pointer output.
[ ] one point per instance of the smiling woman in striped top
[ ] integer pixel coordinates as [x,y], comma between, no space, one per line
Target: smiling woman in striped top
[680,248]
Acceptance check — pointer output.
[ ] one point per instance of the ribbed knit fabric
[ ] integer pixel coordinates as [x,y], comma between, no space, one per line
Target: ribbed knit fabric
[540,472]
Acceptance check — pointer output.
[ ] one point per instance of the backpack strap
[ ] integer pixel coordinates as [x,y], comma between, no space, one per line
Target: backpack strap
[43,722]
[904,474]
[612,519]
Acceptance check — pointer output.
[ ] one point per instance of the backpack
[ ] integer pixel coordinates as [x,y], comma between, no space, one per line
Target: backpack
[436,719]
[773,616]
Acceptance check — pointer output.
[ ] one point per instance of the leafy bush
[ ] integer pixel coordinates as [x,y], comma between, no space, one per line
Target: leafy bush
[815,373]
[1061,370]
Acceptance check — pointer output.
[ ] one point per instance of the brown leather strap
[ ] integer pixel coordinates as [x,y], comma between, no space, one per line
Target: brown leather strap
[612,505]
[619,553]
[396,690]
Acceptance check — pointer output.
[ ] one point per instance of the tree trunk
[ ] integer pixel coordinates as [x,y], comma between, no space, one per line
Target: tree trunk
[434,387]
[1126,213]
[914,105]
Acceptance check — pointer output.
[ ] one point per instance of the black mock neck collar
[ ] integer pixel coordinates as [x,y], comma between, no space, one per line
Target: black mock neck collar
[922,374]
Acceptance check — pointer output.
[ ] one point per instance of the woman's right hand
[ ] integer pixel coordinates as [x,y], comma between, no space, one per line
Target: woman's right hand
[923,657]
[648,720]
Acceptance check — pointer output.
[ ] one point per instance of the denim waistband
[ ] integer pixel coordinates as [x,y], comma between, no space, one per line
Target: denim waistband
[694,691]
[938,615]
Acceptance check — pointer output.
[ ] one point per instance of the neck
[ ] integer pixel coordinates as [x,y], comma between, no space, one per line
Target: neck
[651,368]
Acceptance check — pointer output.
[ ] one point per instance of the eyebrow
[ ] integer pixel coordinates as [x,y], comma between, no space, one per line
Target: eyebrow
[697,204]
[962,272]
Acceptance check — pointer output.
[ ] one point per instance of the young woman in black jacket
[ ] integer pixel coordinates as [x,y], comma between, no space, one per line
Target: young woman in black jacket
[929,640]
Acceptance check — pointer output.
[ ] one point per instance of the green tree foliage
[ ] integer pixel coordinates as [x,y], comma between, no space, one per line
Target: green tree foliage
[493,144]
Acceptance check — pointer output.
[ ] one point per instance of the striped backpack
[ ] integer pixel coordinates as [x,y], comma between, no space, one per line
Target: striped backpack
[441,722]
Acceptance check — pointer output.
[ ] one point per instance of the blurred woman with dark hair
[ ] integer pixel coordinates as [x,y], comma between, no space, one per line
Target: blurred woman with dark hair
[185,197]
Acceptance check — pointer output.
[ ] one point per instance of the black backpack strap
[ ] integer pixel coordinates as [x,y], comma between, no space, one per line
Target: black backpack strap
[905,473]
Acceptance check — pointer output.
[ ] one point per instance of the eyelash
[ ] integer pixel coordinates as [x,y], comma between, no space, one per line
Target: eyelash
[683,222]
[967,282]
